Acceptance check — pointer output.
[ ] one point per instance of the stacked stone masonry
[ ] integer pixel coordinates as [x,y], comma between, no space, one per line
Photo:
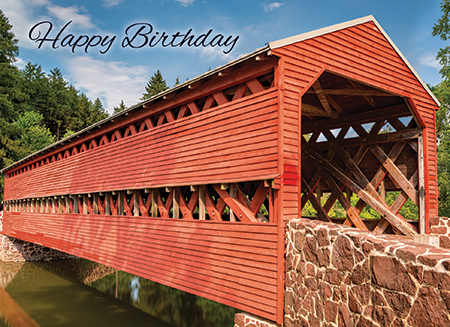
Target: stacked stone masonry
[440,226]
[244,319]
[340,276]
[13,249]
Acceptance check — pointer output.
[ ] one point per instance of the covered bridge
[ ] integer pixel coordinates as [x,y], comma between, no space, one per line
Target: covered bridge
[191,188]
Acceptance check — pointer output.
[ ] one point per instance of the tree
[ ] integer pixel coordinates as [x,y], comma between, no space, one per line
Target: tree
[33,134]
[442,92]
[155,85]
[177,81]
[120,108]
[442,29]
[12,100]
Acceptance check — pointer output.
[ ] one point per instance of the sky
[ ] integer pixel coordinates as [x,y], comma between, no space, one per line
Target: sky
[125,48]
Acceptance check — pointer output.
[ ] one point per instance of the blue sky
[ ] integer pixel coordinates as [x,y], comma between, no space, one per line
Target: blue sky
[122,73]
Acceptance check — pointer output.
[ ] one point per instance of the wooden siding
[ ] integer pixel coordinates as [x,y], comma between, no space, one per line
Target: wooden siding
[233,142]
[232,263]
[362,53]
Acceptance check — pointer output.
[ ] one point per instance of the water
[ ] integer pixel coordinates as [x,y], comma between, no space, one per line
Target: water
[83,293]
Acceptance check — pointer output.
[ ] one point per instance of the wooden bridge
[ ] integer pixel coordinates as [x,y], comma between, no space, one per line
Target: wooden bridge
[191,188]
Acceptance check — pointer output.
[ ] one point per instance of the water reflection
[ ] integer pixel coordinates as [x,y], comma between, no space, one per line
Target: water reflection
[82,293]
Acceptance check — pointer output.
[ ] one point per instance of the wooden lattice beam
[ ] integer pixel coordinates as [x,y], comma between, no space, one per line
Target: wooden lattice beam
[378,206]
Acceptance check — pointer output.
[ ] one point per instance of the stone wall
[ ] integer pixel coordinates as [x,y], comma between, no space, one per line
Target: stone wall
[244,319]
[13,249]
[339,276]
[440,226]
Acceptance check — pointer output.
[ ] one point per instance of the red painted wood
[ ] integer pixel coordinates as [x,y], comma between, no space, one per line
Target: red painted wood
[362,52]
[215,266]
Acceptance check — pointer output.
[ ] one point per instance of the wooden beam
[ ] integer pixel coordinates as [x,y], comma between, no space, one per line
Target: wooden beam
[394,172]
[202,202]
[400,110]
[366,140]
[233,193]
[311,110]
[254,85]
[243,213]
[176,202]
[322,98]
[154,208]
[421,173]
[395,221]
[351,212]
[353,92]
[321,214]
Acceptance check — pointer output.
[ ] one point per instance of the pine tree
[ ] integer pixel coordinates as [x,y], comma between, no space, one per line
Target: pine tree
[177,81]
[120,108]
[155,85]
[12,100]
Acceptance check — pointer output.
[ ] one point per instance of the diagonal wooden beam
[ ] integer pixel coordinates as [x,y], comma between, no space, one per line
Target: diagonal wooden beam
[321,214]
[396,206]
[395,173]
[258,198]
[368,99]
[381,173]
[182,112]
[322,98]
[193,107]
[240,210]
[220,98]
[335,105]
[255,86]
[240,91]
[335,189]
[395,221]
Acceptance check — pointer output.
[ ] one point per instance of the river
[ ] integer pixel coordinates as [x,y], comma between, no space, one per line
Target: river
[78,292]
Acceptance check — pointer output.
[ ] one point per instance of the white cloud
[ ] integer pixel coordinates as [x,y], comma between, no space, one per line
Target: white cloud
[111,3]
[111,81]
[66,14]
[20,63]
[38,2]
[430,60]
[185,2]
[271,6]
[216,53]
[21,18]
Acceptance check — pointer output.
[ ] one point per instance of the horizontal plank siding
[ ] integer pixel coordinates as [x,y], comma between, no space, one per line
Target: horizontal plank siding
[233,142]
[232,263]
[363,53]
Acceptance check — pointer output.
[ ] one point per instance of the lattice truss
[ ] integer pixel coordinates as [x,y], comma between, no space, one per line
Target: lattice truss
[359,150]
[245,202]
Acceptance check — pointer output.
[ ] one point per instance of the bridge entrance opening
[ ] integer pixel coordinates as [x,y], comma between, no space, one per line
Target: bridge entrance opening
[361,156]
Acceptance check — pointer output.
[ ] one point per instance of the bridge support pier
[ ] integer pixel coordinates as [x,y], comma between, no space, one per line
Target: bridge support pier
[12,249]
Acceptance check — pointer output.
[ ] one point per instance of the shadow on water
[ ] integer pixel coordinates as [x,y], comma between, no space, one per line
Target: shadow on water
[82,293]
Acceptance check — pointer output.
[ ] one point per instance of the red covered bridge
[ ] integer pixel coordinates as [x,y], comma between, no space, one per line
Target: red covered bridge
[191,187]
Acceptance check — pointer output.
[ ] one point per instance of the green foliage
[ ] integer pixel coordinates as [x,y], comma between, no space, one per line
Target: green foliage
[177,81]
[33,135]
[8,43]
[442,29]
[120,108]
[157,84]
